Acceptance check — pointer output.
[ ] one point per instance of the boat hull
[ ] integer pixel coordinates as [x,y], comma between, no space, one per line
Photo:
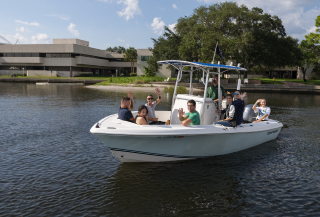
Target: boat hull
[155,148]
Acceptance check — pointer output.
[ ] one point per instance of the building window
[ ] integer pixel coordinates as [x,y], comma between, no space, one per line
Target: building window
[65,55]
[27,54]
[55,55]
[10,54]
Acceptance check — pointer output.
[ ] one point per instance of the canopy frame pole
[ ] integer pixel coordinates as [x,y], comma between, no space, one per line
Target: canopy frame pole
[219,91]
[190,88]
[204,97]
[175,89]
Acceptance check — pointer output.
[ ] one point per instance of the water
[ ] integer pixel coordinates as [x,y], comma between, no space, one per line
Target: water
[50,164]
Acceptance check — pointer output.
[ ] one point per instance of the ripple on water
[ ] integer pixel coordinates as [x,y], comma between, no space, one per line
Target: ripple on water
[50,164]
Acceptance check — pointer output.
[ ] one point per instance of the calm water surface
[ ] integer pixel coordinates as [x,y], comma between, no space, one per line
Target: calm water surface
[50,164]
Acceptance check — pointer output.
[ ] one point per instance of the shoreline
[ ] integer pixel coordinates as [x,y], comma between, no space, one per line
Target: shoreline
[262,88]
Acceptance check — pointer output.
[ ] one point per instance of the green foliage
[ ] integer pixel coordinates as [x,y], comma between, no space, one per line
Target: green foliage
[116,49]
[180,89]
[131,55]
[311,51]
[313,78]
[131,80]
[246,36]
[166,47]
[133,74]
[149,72]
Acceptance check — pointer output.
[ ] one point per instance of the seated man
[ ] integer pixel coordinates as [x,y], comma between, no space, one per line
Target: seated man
[151,105]
[212,91]
[124,112]
[192,118]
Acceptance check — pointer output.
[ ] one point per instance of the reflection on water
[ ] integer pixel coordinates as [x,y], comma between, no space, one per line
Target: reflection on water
[51,165]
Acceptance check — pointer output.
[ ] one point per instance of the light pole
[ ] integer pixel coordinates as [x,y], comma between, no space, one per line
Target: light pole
[23,72]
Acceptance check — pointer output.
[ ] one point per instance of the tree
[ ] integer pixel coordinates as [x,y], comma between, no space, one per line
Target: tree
[310,50]
[116,49]
[131,55]
[164,48]
[245,36]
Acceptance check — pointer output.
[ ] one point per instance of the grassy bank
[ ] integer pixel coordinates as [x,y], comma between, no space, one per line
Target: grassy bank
[131,80]
[281,80]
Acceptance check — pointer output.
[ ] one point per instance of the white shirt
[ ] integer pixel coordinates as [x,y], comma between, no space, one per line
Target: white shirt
[151,110]
[262,111]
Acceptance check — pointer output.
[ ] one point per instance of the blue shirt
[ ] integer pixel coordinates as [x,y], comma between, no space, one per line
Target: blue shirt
[124,114]
[239,107]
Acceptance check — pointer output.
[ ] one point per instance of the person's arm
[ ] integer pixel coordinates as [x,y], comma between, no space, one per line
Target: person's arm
[142,121]
[255,105]
[132,119]
[152,119]
[159,95]
[261,119]
[186,122]
[131,106]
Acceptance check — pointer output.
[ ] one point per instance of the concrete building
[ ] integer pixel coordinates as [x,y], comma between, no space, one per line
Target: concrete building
[143,57]
[64,57]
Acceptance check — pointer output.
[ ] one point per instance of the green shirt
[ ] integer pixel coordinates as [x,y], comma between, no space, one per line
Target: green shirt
[195,117]
[212,92]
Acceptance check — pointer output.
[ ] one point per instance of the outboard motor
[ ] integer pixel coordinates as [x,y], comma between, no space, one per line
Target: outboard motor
[248,114]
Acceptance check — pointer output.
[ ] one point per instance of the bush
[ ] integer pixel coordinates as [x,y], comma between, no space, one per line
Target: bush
[148,72]
[133,74]
[313,78]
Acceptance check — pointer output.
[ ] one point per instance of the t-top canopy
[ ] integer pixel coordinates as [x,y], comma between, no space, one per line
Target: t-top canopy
[201,65]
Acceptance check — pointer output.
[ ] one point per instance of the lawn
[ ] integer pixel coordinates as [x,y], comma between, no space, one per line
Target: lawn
[280,81]
[131,80]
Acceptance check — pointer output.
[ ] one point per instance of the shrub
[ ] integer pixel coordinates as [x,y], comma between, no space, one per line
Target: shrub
[133,74]
[313,78]
[148,72]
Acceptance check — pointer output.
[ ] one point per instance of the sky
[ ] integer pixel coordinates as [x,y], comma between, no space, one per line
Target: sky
[127,23]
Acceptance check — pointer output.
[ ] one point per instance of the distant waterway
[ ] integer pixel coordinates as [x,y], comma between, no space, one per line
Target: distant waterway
[50,164]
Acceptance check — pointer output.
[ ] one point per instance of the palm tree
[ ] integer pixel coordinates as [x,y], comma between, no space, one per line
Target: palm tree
[131,55]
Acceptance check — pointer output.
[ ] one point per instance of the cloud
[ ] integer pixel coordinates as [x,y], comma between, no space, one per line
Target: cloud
[22,29]
[71,28]
[131,9]
[157,25]
[172,27]
[40,39]
[174,6]
[123,42]
[60,16]
[26,23]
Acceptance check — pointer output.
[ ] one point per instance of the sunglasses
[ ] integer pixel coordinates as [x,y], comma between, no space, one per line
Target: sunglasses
[190,105]
[236,93]
[149,98]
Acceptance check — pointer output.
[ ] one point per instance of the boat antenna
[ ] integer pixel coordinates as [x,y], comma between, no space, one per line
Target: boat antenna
[214,53]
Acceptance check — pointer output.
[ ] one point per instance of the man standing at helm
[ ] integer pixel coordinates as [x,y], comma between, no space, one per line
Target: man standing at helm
[212,91]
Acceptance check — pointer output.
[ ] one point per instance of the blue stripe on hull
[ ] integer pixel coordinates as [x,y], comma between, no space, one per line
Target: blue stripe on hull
[154,154]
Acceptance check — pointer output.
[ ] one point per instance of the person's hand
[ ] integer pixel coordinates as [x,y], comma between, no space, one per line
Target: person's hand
[218,111]
[158,91]
[228,92]
[243,95]
[259,100]
[155,119]
[130,95]
[220,120]
[180,110]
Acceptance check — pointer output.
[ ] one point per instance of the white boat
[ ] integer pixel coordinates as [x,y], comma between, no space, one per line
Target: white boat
[130,142]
